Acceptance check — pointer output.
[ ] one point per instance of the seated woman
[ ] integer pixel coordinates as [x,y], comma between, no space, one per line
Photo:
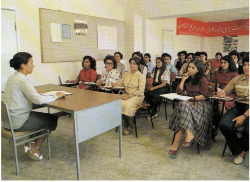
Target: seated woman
[206,64]
[167,59]
[111,75]
[147,60]
[236,57]
[237,116]
[143,66]
[216,62]
[120,67]
[134,86]
[190,56]
[182,60]
[87,74]
[161,80]
[193,116]
[223,76]
[19,95]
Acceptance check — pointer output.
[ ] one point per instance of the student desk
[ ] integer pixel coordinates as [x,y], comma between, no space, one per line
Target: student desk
[94,113]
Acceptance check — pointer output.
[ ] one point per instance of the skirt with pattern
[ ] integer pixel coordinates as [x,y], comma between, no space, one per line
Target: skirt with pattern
[194,116]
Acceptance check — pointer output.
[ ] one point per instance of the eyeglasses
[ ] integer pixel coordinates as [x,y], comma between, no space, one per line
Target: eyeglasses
[109,63]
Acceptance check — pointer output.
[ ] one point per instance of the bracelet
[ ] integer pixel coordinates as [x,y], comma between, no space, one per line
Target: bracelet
[245,116]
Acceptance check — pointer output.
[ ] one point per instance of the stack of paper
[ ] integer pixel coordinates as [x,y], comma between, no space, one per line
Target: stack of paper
[55,92]
[173,96]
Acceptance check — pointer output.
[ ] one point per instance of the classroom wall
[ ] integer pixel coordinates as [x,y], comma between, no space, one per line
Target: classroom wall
[29,32]
[190,43]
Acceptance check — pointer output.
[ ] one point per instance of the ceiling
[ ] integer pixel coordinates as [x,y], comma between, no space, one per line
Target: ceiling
[218,16]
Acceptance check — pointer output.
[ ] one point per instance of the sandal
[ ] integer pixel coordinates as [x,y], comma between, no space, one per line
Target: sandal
[126,131]
[33,156]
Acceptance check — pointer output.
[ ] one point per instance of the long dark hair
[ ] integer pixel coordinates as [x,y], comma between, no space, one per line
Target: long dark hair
[91,60]
[232,66]
[19,59]
[197,77]
[161,69]
[138,53]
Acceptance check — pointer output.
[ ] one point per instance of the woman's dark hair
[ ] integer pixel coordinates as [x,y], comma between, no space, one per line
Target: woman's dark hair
[235,53]
[91,60]
[183,52]
[166,55]
[110,57]
[232,66]
[121,56]
[245,59]
[138,53]
[136,60]
[161,69]
[192,54]
[197,77]
[204,53]
[19,59]
[147,54]
[218,53]
[243,54]
[197,53]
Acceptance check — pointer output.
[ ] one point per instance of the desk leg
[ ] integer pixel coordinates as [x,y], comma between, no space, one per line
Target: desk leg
[120,141]
[48,110]
[77,149]
[222,109]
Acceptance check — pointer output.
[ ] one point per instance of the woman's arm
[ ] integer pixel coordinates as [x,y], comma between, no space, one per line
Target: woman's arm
[184,77]
[141,86]
[159,86]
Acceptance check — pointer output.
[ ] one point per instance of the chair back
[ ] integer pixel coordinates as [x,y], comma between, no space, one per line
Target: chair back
[6,120]
[212,89]
[149,83]
[172,77]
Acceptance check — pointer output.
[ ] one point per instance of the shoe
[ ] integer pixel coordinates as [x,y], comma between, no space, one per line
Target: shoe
[239,160]
[188,144]
[173,153]
[154,116]
[126,131]
[33,156]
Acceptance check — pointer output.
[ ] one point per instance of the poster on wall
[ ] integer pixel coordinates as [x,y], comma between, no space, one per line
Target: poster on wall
[66,31]
[80,27]
[230,43]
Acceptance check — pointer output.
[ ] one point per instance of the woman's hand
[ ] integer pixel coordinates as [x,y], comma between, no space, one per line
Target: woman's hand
[153,88]
[60,95]
[239,120]
[185,76]
[98,83]
[71,81]
[114,84]
[221,93]
[125,97]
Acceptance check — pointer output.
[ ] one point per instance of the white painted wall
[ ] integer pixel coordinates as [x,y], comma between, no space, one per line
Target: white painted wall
[29,32]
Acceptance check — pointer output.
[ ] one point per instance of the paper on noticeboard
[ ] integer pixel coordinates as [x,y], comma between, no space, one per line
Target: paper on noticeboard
[107,37]
[56,32]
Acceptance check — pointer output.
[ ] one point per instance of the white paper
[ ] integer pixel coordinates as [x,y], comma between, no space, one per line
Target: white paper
[173,96]
[55,92]
[56,32]
[107,37]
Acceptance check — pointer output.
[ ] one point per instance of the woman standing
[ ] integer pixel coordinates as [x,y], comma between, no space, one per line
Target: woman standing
[87,74]
[134,86]
[161,80]
[19,95]
[237,116]
[193,116]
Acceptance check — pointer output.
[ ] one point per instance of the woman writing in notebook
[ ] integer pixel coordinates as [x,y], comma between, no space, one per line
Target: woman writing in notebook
[192,116]
[134,86]
[19,95]
[87,74]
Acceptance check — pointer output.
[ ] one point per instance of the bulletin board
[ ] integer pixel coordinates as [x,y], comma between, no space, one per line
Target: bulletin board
[77,46]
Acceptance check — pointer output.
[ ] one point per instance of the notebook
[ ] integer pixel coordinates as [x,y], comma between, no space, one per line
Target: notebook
[63,81]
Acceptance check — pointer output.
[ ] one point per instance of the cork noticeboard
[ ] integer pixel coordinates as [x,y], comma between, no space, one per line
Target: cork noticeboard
[78,46]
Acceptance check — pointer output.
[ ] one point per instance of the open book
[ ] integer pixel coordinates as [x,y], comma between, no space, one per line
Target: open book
[173,96]
[63,81]
[222,98]
[55,92]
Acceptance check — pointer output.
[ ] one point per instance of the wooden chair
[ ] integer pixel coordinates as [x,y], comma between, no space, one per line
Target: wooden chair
[19,138]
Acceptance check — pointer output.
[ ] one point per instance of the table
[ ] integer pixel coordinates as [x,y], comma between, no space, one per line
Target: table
[94,113]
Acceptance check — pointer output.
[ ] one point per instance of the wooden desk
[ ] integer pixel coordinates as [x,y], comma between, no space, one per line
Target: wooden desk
[94,113]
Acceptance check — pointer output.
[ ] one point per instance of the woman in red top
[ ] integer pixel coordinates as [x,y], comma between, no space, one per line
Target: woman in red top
[87,74]
[223,76]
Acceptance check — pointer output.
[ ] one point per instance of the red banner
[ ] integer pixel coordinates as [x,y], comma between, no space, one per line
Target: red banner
[187,26]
